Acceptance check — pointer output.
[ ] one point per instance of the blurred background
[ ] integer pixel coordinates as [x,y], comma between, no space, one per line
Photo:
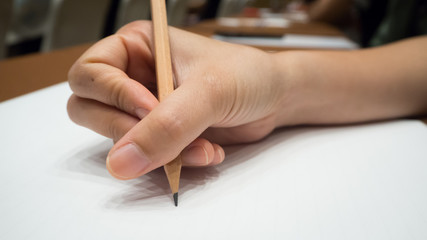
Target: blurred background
[29,26]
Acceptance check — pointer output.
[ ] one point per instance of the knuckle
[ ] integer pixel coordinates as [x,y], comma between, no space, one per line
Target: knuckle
[118,95]
[72,108]
[136,26]
[167,133]
[78,77]
[172,127]
[113,130]
[87,81]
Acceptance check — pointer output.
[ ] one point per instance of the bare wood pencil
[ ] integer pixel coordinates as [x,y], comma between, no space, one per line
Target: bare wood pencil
[165,85]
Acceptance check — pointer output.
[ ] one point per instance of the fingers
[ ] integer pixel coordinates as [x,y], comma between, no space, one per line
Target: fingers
[101,118]
[164,133]
[114,124]
[107,73]
[201,153]
[113,84]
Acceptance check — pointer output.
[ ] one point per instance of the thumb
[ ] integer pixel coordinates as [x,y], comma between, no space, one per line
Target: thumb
[163,134]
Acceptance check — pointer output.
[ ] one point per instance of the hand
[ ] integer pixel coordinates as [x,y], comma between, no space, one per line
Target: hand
[226,94]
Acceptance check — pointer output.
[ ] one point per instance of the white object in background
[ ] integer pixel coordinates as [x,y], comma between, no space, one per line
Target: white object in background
[296,16]
[292,16]
[253,22]
[292,41]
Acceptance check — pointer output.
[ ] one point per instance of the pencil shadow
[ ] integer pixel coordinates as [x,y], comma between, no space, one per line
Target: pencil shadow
[303,136]
[153,190]
[154,186]
[89,164]
[238,154]
[91,159]
[138,192]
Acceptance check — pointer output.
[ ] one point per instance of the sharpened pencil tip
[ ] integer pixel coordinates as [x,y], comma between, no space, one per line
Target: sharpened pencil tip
[175,199]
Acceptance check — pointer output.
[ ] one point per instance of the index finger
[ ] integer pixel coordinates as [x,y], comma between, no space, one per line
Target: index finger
[112,71]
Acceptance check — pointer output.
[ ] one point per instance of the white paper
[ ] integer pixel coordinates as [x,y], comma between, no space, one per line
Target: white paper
[292,41]
[351,182]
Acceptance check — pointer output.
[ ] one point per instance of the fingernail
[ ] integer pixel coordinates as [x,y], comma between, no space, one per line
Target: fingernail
[141,112]
[195,156]
[127,162]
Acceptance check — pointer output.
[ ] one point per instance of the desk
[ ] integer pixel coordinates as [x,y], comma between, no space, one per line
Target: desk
[25,74]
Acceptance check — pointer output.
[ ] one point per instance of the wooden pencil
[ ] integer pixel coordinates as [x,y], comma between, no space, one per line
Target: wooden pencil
[165,84]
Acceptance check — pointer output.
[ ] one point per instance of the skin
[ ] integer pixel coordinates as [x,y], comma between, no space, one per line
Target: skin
[231,94]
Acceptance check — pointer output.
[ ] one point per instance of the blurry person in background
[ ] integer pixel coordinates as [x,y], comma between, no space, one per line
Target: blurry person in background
[377,21]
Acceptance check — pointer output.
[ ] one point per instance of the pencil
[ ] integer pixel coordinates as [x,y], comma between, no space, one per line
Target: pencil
[165,84]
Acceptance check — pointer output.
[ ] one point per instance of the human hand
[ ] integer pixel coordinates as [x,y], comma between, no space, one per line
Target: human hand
[226,94]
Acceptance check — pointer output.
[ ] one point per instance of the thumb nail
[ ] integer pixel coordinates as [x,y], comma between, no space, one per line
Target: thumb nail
[127,162]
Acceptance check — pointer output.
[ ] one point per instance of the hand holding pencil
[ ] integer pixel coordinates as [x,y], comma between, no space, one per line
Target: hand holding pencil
[229,94]
[114,85]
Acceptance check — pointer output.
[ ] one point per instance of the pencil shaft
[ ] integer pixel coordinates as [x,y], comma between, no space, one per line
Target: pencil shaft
[165,84]
[162,49]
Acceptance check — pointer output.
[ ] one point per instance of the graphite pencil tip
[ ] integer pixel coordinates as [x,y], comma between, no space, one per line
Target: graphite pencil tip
[175,199]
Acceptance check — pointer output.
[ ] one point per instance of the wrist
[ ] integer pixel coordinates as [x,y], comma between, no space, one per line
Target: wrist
[289,74]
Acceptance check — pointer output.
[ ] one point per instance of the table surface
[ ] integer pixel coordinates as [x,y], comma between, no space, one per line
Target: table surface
[21,75]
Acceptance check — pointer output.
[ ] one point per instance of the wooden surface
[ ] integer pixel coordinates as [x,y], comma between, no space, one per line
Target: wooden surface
[28,73]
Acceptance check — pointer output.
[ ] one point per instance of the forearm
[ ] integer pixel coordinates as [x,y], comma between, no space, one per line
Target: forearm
[334,87]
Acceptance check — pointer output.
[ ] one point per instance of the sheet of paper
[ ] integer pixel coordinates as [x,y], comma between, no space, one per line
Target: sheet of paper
[292,41]
[351,182]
